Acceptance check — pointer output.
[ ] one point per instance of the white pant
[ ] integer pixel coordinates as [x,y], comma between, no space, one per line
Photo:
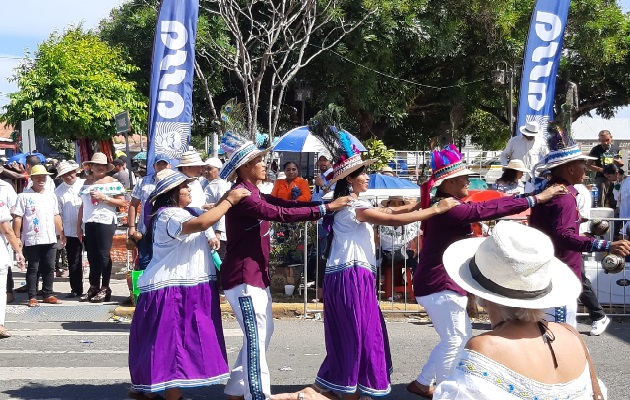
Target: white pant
[447,311]
[250,374]
[4,270]
[555,314]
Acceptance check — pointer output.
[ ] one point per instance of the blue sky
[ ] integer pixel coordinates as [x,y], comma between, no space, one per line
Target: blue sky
[26,23]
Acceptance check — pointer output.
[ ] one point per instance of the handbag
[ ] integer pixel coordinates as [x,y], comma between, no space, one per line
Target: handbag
[597,392]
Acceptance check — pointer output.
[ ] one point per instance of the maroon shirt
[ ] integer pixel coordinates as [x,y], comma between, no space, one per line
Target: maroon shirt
[247,228]
[445,229]
[560,219]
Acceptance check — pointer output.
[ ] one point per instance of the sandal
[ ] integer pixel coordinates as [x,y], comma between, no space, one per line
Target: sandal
[418,389]
[4,333]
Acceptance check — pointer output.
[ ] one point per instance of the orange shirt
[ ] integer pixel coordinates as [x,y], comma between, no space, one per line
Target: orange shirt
[282,189]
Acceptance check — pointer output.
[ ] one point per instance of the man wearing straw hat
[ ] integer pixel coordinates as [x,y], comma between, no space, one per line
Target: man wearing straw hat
[528,147]
[69,198]
[560,218]
[245,269]
[36,221]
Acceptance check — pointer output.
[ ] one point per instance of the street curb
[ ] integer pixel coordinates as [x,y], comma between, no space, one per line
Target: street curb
[292,310]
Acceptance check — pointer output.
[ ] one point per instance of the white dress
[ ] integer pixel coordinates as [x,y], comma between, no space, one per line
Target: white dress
[477,377]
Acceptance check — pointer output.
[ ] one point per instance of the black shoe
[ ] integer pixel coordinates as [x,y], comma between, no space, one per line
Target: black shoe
[72,295]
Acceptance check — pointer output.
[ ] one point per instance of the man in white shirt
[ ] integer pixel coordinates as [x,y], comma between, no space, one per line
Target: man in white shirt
[215,189]
[139,197]
[191,165]
[8,241]
[36,220]
[529,147]
[8,197]
[32,161]
[68,196]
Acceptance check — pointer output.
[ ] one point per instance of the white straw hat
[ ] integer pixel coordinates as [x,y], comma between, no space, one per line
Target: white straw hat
[516,165]
[514,267]
[531,128]
[67,166]
[101,159]
[190,159]
[214,162]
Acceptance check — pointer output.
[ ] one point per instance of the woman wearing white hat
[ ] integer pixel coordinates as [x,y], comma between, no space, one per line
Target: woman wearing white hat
[516,277]
[101,194]
[511,181]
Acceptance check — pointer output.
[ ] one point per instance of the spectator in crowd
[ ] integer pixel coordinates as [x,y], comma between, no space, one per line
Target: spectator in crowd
[292,187]
[8,197]
[387,170]
[37,222]
[176,338]
[245,269]
[614,175]
[558,218]
[272,173]
[121,173]
[139,197]
[605,153]
[100,196]
[31,161]
[215,189]
[266,185]
[69,198]
[515,277]
[7,239]
[528,147]
[511,181]
[322,181]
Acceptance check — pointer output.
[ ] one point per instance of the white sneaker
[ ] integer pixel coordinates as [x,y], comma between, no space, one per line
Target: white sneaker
[598,327]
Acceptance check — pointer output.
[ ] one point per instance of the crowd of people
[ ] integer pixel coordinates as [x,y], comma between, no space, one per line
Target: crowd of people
[527,278]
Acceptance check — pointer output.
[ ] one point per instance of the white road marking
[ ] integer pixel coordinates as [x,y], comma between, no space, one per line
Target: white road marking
[44,373]
[88,333]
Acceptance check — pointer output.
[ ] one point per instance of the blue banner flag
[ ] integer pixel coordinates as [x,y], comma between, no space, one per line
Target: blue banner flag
[170,98]
[540,64]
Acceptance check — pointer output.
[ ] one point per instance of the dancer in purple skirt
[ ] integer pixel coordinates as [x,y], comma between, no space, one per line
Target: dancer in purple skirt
[176,339]
[358,360]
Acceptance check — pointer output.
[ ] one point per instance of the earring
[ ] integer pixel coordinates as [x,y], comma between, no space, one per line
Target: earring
[350,187]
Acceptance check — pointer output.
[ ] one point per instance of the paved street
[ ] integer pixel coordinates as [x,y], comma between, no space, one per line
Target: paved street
[63,354]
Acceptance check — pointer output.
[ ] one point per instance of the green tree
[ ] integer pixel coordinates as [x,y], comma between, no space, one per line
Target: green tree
[73,87]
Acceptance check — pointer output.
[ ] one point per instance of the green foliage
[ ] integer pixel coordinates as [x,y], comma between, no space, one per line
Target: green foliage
[73,88]
[378,151]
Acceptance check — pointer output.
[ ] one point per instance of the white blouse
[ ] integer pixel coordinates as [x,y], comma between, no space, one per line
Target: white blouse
[353,240]
[99,211]
[477,377]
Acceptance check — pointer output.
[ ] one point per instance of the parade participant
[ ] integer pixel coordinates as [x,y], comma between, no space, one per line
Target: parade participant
[100,196]
[528,147]
[7,239]
[69,197]
[560,218]
[358,360]
[605,153]
[245,269]
[515,277]
[292,187]
[176,337]
[37,222]
[444,301]
[511,181]
[8,197]
[139,197]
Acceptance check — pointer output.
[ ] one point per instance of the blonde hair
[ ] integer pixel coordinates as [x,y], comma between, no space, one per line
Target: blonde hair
[513,313]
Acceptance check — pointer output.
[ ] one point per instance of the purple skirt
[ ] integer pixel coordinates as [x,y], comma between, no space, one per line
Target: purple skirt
[176,339]
[357,347]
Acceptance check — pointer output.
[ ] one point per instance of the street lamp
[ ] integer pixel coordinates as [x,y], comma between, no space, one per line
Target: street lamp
[499,78]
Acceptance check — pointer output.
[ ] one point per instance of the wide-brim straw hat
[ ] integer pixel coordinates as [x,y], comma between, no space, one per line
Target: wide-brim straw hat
[101,159]
[348,166]
[241,156]
[531,128]
[39,170]
[67,166]
[167,180]
[514,267]
[516,165]
[214,162]
[391,198]
[449,172]
[559,157]
[190,159]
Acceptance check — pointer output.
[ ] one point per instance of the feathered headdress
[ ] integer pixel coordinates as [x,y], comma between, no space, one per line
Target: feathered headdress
[562,148]
[240,148]
[346,157]
[446,164]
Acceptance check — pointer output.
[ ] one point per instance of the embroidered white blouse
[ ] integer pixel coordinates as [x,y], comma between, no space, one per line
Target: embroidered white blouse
[353,240]
[38,212]
[476,377]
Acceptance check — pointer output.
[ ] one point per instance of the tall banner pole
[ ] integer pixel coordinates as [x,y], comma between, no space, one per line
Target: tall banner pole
[170,97]
[540,64]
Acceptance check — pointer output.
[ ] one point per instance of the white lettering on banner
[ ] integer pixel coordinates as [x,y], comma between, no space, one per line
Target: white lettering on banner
[174,36]
[548,28]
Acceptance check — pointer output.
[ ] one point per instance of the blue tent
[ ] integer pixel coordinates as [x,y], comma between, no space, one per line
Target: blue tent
[380,181]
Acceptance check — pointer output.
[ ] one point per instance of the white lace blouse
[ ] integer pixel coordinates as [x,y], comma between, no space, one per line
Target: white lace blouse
[477,377]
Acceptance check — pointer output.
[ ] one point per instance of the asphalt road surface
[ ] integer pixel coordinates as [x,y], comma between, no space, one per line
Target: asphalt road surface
[88,360]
